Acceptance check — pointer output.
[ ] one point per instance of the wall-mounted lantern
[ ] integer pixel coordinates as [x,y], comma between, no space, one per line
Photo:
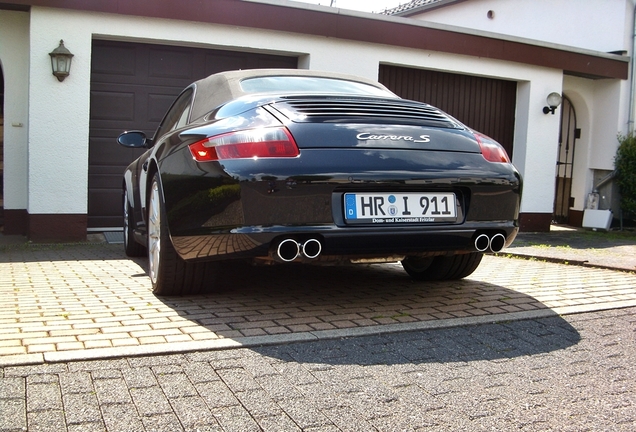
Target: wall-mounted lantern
[554,100]
[61,61]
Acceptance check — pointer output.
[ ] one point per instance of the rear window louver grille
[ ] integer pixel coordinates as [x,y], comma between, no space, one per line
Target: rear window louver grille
[317,109]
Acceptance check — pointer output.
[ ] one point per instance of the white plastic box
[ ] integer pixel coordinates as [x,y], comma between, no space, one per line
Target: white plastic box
[599,219]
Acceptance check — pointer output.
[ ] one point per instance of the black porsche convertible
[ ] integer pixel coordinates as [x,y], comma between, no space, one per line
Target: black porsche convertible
[286,166]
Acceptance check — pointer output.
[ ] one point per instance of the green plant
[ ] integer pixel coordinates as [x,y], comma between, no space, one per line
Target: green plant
[625,164]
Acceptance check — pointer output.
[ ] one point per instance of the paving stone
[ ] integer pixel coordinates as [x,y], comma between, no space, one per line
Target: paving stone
[150,401]
[235,419]
[41,397]
[216,394]
[280,422]
[14,416]
[95,426]
[278,387]
[304,414]
[12,388]
[200,372]
[81,408]
[162,423]
[176,385]
[112,391]
[43,379]
[139,377]
[46,421]
[166,360]
[258,403]
[295,373]
[107,374]
[238,380]
[76,382]
[99,366]
[25,371]
[121,417]
[193,414]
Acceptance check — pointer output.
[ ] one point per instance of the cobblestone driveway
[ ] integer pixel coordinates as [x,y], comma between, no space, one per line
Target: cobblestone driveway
[89,301]
[574,373]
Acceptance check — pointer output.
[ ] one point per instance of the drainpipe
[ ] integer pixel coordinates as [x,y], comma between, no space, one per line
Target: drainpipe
[630,124]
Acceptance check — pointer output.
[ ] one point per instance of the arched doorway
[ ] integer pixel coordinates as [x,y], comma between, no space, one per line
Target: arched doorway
[568,135]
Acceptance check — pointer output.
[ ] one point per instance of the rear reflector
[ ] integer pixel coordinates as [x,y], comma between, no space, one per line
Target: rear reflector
[248,144]
[491,149]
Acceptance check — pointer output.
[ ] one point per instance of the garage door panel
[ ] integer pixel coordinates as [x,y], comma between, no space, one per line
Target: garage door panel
[215,63]
[132,87]
[265,63]
[112,106]
[105,206]
[141,109]
[485,104]
[105,178]
[158,105]
[114,60]
[170,63]
[106,152]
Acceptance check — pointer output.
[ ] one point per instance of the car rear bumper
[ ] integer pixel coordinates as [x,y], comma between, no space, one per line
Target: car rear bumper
[343,243]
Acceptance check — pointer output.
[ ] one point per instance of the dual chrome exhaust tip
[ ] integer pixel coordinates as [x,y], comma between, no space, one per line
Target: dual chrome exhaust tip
[289,250]
[494,243]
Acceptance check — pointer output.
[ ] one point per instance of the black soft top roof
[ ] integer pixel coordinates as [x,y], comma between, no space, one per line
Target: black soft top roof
[223,87]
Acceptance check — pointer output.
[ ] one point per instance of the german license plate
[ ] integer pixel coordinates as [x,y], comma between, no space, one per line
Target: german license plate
[400,207]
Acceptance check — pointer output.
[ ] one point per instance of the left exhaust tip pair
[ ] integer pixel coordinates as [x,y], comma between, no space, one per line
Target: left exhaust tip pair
[289,249]
[495,243]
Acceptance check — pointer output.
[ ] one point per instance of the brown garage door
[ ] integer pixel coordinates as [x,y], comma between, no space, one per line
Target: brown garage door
[484,104]
[132,86]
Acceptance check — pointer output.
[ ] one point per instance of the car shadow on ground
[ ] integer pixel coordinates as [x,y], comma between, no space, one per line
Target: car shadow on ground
[474,343]
[300,298]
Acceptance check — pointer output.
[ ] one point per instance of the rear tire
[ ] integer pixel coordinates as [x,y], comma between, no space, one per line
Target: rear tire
[442,267]
[131,247]
[169,274]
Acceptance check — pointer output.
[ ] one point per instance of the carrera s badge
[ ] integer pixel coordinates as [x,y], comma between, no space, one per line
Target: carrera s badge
[370,137]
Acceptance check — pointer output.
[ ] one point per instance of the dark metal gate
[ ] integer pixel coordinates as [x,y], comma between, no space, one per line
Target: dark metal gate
[568,135]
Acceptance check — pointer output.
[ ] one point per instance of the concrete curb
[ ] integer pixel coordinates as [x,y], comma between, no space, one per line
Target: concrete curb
[564,261]
[256,341]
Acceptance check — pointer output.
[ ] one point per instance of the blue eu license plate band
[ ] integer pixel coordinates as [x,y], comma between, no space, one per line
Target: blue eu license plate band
[400,207]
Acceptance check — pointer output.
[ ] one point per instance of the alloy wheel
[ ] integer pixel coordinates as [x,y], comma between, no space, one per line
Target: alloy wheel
[154,232]
[126,219]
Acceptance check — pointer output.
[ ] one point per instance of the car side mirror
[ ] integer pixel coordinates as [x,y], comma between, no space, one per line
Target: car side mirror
[133,139]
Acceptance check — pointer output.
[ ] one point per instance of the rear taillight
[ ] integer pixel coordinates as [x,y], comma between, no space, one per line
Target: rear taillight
[491,149]
[248,144]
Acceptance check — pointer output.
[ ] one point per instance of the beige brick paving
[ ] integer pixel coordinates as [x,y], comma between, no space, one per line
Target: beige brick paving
[81,298]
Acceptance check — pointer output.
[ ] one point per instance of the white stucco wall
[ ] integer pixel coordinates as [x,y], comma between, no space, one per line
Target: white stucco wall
[14,60]
[59,116]
[59,112]
[598,25]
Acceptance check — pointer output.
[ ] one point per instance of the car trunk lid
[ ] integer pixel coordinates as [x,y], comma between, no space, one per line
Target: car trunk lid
[364,122]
